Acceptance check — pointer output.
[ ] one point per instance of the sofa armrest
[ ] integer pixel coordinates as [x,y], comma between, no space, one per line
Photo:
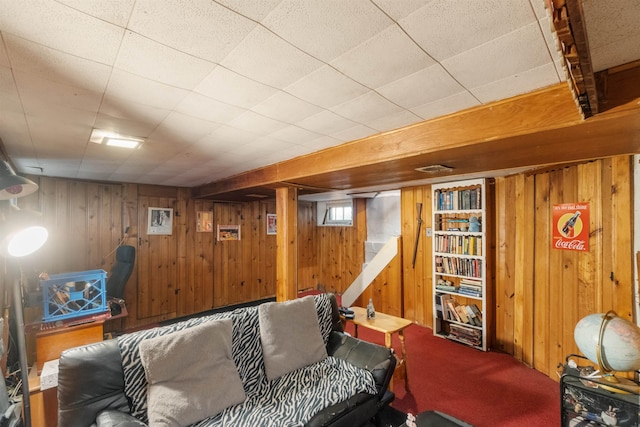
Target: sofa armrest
[90,380]
[377,359]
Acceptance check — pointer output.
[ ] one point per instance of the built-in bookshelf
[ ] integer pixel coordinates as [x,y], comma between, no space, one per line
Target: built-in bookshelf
[460,285]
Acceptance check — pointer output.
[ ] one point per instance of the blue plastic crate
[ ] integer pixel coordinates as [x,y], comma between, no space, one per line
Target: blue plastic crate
[77,294]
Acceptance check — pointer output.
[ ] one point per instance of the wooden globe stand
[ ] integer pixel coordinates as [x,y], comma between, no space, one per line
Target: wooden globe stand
[618,385]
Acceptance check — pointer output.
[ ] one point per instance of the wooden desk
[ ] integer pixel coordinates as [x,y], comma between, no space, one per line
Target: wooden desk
[51,342]
[388,325]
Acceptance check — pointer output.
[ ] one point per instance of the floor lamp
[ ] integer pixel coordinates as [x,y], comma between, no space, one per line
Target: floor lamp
[19,239]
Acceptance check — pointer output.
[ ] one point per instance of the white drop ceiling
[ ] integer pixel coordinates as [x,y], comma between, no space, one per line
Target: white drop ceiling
[222,87]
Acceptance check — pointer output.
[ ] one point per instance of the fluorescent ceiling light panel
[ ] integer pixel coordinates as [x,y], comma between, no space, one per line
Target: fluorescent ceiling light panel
[113,139]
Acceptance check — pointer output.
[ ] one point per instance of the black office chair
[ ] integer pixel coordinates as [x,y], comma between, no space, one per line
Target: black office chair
[121,271]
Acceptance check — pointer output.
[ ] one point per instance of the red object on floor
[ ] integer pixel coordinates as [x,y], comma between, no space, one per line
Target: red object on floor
[485,389]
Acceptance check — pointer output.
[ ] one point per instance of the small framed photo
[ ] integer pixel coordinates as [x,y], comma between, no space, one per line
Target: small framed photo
[160,221]
[228,232]
[271,224]
[205,222]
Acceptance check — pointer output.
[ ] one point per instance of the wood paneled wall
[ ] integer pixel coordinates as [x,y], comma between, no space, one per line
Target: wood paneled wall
[540,293]
[329,258]
[176,275]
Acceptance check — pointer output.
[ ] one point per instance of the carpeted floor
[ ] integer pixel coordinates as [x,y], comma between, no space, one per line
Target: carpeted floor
[481,388]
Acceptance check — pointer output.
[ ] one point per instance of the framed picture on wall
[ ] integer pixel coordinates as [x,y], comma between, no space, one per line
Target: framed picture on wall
[160,221]
[205,222]
[271,224]
[228,232]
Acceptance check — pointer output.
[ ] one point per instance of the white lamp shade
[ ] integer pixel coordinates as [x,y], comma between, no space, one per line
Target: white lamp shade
[25,242]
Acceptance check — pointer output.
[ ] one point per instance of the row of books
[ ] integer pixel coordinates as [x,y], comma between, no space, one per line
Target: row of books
[470,288]
[462,245]
[465,334]
[447,200]
[461,266]
[448,308]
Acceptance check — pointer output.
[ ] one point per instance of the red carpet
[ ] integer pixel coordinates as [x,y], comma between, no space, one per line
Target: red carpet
[485,389]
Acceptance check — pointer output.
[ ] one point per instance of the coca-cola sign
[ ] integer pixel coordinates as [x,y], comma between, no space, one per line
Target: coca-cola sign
[571,226]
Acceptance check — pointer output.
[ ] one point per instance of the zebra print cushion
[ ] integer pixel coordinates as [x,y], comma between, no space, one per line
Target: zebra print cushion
[293,399]
[246,349]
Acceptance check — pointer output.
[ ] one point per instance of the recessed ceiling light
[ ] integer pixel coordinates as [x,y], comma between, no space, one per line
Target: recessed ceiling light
[435,169]
[112,139]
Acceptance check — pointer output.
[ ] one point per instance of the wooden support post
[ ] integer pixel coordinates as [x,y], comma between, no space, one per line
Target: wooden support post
[287,243]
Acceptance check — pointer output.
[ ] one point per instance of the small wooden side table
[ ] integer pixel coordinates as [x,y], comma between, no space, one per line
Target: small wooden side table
[388,325]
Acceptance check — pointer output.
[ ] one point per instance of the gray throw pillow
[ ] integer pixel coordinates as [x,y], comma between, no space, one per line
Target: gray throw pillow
[290,336]
[191,374]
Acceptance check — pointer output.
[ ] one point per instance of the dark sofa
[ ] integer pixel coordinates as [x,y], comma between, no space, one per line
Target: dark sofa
[91,384]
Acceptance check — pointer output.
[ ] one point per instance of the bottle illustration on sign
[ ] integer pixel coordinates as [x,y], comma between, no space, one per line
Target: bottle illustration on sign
[568,227]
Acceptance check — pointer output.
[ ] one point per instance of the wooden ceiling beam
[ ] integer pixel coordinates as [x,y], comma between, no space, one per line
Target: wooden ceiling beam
[543,109]
[538,129]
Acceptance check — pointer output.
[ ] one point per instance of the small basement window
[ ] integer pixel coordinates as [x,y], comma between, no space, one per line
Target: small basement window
[335,213]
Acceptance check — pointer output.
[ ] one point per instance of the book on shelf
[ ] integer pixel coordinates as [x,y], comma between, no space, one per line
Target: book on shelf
[462,313]
[451,309]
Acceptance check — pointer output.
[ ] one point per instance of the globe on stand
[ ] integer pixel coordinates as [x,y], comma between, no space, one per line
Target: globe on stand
[612,343]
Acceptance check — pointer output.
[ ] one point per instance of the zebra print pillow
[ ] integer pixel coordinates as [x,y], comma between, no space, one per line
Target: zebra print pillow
[246,349]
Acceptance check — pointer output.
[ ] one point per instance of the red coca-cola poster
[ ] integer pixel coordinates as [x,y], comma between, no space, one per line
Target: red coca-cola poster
[571,226]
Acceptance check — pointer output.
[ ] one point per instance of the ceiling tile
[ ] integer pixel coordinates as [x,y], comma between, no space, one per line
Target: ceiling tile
[57,66]
[326,123]
[55,25]
[130,110]
[208,109]
[286,108]
[551,39]
[500,58]
[451,104]
[266,58]
[180,127]
[326,87]
[255,10]
[114,11]
[614,32]
[130,127]
[39,110]
[33,88]
[356,132]
[201,28]
[8,89]
[400,9]
[294,135]
[4,56]
[447,28]
[394,121]
[540,8]
[154,61]
[545,75]
[256,123]
[366,108]
[127,86]
[421,87]
[232,88]
[384,58]
[323,30]
[226,138]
